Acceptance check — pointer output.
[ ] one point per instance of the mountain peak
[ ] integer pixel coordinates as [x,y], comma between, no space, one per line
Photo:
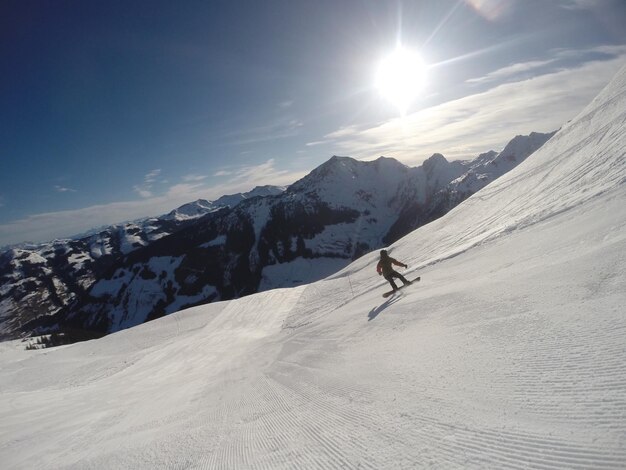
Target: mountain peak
[520,147]
[434,162]
[190,210]
[265,190]
[201,207]
[346,173]
[436,158]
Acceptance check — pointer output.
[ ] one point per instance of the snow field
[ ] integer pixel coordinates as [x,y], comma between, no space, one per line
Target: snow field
[508,354]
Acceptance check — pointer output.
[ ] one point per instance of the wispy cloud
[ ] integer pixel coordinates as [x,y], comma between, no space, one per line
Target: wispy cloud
[152,176]
[279,129]
[188,178]
[47,226]
[581,4]
[608,50]
[145,189]
[233,179]
[263,173]
[142,191]
[559,59]
[186,191]
[343,132]
[483,121]
[62,189]
[512,70]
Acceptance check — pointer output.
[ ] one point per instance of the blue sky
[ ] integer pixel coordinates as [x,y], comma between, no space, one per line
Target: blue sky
[112,111]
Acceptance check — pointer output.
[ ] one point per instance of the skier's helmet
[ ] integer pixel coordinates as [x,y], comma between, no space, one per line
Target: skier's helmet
[383,252]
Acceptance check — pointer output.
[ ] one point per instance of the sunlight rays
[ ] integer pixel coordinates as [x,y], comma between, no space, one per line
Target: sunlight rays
[401,77]
[444,21]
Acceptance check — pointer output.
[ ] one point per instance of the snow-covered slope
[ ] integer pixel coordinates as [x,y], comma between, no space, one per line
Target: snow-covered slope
[509,354]
[341,210]
[208,250]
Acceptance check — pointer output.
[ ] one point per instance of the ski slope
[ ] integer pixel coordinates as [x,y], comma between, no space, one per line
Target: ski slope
[509,353]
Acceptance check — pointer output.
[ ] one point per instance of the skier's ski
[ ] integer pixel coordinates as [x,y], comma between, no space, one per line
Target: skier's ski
[387,294]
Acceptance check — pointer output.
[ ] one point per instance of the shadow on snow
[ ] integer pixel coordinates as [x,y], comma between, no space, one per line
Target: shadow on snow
[376,310]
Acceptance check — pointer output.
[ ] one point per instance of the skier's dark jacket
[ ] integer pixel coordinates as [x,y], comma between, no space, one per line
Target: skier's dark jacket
[384,265]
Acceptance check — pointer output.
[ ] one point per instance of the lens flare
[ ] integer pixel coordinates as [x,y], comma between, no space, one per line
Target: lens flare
[491,10]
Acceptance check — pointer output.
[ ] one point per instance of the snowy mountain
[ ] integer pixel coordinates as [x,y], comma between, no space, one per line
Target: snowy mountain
[192,210]
[39,280]
[509,353]
[341,210]
[201,207]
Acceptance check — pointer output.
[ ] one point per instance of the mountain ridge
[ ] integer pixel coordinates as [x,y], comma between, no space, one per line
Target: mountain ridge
[341,210]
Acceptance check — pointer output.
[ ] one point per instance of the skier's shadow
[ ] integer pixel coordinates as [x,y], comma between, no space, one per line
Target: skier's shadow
[376,310]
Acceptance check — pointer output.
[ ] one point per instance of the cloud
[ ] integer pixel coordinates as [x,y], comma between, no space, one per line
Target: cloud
[62,189]
[192,177]
[151,177]
[145,193]
[561,59]
[343,132]
[488,120]
[261,174]
[581,4]
[50,225]
[236,179]
[47,226]
[609,50]
[512,70]
[279,129]
[285,104]
[185,190]
[144,190]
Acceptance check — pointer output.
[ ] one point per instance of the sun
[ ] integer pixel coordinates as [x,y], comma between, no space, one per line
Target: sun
[401,77]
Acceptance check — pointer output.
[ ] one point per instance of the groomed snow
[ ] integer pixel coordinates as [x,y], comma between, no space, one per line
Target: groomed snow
[509,353]
[299,271]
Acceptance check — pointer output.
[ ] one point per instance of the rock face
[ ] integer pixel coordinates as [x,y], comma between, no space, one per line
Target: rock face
[237,245]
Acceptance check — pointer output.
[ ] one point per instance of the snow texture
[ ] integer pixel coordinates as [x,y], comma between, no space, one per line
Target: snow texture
[299,271]
[509,354]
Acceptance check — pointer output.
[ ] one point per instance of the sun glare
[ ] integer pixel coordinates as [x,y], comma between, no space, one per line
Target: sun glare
[401,77]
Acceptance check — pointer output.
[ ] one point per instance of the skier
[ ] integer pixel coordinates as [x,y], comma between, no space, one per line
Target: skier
[384,267]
